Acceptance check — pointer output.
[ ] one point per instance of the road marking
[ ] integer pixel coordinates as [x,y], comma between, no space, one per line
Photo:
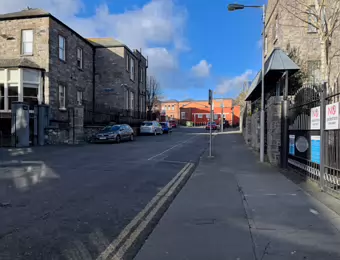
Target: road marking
[133,230]
[314,211]
[167,150]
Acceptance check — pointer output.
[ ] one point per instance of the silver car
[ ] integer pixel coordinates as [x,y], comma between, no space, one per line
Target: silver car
[114,133]
[151,127]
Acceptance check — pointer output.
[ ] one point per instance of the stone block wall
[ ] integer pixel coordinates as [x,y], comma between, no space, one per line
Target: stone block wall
[273,114]
[255,131]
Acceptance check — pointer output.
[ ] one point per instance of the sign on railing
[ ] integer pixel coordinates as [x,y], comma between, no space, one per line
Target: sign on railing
[315,118]
[332,116]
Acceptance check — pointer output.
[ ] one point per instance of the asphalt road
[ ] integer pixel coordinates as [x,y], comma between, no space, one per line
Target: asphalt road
[71,202]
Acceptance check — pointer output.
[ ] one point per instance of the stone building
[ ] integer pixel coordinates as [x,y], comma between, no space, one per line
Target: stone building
[287,28]
[44,61]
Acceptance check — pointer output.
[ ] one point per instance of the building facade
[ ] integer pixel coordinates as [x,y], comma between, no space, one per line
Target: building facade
[288,27]
[198,111]
[43,61]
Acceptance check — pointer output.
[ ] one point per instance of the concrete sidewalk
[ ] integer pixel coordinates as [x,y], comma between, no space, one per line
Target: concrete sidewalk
[233,207]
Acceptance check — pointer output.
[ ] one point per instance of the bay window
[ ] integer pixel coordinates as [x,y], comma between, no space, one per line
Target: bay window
[2,96]
[13,94]
[24,85]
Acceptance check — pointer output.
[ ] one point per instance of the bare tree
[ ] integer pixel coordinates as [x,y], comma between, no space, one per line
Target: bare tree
[323,16]
[152,92]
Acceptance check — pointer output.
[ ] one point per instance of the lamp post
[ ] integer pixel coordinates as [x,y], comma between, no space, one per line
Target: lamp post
[235,7]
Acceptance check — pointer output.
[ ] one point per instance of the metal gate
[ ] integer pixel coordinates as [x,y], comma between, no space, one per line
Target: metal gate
[315,151]
[332,144]
[300,132]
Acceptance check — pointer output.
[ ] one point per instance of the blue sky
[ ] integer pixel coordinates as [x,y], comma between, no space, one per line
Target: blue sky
[192,45]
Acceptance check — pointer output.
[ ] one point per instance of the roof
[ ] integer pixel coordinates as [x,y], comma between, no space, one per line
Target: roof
[18,63]
[277,63]
[105,42]
[169,101]
[27,13]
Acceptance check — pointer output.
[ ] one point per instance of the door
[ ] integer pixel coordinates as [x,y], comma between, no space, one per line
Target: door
[124,132]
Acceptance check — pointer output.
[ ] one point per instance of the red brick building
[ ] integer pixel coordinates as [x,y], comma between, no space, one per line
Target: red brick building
[198,111]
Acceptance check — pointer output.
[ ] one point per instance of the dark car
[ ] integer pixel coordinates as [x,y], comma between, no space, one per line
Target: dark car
[173,123]
[213,126]
[114,133]
[166,127]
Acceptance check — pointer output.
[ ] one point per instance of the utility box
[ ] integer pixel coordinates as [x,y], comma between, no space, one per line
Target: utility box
[20,124]
[41,121]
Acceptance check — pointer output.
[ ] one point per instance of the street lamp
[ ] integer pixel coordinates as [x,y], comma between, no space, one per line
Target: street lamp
[235,7]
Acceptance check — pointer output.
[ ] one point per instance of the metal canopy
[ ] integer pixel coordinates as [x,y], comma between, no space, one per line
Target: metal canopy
[277,63]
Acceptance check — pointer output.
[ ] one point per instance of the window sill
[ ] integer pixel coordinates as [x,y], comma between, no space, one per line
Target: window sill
[26,55]
[81,69]
[312,32]
[275,41]
[63,61]
[132,80]
[62,109]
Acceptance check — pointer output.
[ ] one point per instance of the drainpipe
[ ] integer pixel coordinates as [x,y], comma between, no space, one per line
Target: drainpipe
[93,81]
[139,59]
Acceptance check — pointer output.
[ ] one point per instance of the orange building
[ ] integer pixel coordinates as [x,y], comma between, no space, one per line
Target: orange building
[198,111]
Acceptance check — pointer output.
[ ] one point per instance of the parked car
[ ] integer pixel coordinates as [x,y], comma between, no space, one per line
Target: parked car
[114,133]
[173,123]
[213,126]
[166,127]
[151,127]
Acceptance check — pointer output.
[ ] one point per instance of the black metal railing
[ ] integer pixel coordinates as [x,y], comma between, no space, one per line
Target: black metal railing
[101,114]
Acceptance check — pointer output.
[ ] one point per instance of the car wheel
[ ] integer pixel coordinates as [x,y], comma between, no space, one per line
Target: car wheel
[132,138]
[118,139]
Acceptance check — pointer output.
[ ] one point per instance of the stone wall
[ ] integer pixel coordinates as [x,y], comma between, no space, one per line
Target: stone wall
[255,131]
[67,72]
[273,115]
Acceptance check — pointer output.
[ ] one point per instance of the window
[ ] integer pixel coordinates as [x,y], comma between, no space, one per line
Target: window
[62,97]
[80,58]
[13,94]
[127,62]
[183,115]
[312,20]
[173,107]
[126,99]
[2,97]
[62,46]
[27,42]
[207,115]
[132,69]
[79,97]
[215,116]
[31,94]
[314,72]
[164,108]
[265,46]
[199,116]
[276,28]
[141,75]
[132,100]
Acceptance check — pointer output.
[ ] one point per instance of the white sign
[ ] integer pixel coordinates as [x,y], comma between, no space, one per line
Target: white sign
[315,118]
[332,116]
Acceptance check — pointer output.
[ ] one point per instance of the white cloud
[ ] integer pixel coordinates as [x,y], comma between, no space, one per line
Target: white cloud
[157,27]
[233,84]
[202,69]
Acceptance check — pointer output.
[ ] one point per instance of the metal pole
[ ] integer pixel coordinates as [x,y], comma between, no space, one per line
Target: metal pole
[210,144]
[285,140]
[322,135]
[222,118]
[262,87]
